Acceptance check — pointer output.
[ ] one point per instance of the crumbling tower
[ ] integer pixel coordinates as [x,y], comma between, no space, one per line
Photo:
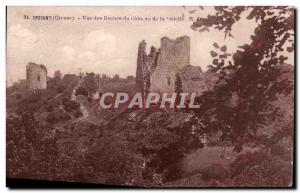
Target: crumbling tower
[156,72]
[141,63]
[36,76]
[174,55]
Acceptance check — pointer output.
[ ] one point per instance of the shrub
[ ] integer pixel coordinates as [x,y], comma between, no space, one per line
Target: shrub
[272,173]
[77,114]
[244,160]
[48,108]
[261,170]
[18,96]
[214,171]
[277,149]
[90,83]
[61,88]
[71,106]
[90,99]
[81,91]
[57,116]
[121,165]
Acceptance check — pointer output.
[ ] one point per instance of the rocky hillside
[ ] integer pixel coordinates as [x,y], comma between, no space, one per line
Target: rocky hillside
[52,135]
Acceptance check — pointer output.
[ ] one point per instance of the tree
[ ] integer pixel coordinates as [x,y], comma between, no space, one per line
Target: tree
[178,88]
[57,74]
[116,77]
[241,101]
[130,77]
[90,83]
[104,76]
[178,84]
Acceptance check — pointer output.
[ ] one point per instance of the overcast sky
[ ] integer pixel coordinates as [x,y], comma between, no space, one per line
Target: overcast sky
[104,46]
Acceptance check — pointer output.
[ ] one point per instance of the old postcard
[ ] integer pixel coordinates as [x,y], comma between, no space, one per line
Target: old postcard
[151,96]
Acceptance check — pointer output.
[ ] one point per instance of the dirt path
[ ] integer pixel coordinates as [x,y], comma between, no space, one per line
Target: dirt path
[73,96]
[86,114]
[83,109]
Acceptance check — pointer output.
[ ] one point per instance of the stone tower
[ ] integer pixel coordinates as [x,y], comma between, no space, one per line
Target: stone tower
[156,71]
[193,79]
[36,76]
[173,56]
[141,63]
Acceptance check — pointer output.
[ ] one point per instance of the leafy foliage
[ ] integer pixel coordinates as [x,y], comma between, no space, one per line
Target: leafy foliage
[81,91]
[260,170]
[241,101]
[178,88]
[90,83]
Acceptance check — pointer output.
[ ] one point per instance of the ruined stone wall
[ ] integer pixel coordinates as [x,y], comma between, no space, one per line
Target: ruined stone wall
[174,55]
[36,76]
[146,65]
[141,63]
[193,79]
[211,79]
[160,67]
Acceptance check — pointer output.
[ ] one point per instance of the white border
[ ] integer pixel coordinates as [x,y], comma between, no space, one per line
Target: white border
[150,2]
[4,3]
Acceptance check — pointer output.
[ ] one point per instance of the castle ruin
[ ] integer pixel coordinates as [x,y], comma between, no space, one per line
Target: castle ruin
[156,71]
[193,79]
[36,76]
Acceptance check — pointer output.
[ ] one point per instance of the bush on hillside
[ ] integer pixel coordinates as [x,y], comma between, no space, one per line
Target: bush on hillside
[71,106]
[260,169]
[215,171]
[57,115]
[81,91]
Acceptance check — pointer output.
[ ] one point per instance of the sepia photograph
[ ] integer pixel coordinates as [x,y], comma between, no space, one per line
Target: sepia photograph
[151,96]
